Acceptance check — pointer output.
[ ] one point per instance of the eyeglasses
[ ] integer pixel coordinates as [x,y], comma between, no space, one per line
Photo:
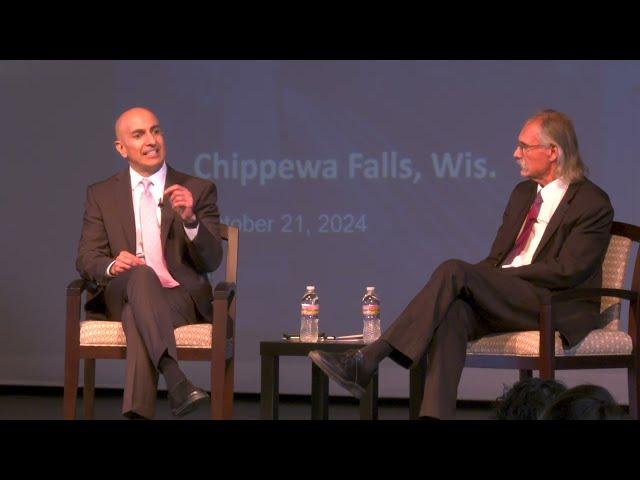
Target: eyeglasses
[525,148]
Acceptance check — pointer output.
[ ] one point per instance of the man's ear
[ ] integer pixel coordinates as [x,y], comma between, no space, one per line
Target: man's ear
[120,148]
[555,153]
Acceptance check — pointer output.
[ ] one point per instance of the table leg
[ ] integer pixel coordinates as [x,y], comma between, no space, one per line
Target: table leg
[269,390]
[369,402]
[319,394]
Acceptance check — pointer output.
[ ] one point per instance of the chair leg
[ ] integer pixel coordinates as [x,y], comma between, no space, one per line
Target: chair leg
[228,389]
[547,368]
[633,384]
[71,369]
[88,392]
[525,374]
[217,391]
[547,374]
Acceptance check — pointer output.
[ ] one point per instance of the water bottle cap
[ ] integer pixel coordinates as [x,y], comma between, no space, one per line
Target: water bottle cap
[370,289]
[310,288]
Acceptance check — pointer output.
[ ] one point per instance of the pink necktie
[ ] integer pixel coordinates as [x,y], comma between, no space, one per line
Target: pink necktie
[523,238]
[150,232]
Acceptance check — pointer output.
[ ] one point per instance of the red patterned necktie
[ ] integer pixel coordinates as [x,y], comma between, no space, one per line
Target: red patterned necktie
[523,238]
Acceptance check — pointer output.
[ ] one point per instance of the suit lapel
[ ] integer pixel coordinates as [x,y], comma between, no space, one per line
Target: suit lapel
[556,218]
[124,202]
[168,214]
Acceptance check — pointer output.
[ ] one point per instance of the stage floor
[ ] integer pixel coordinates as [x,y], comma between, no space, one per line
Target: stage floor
[47,405]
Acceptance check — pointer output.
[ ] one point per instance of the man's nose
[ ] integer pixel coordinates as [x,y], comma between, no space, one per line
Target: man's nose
[517,153]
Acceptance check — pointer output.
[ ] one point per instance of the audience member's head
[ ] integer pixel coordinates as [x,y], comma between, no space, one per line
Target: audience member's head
[584,402]
[527,399]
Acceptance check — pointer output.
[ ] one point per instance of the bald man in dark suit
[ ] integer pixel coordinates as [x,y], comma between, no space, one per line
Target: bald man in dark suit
[149,238]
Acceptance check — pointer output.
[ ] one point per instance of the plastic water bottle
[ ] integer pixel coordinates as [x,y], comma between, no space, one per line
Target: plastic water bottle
[309,312]
[370,316]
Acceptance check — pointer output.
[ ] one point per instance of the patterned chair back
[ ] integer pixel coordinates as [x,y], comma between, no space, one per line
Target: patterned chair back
[614,268]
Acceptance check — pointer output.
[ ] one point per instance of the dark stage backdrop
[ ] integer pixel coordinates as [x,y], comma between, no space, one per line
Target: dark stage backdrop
[340,174]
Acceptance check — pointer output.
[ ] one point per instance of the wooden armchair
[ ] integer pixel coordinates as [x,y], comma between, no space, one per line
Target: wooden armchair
[93,339]
[606,347]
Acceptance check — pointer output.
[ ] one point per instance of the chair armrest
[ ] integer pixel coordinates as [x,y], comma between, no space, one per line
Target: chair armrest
[79,285]
[547,327]
[72,328]
[224,291]
[76,287]
[224,319]
[589,293]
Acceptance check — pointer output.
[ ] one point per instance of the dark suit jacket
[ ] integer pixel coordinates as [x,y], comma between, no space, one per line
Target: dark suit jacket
[109,227]
[570,252]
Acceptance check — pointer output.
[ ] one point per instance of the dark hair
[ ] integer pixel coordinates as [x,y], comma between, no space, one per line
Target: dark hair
[584,402]
[527,399]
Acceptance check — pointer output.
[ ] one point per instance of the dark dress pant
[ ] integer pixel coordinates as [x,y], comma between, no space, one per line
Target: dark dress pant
[459,303]
[149,313]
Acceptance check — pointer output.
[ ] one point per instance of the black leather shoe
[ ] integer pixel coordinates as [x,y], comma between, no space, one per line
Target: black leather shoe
[345,368]
[184,398]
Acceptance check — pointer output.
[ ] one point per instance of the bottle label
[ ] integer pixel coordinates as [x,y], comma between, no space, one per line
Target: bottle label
[371,310]
[310,309]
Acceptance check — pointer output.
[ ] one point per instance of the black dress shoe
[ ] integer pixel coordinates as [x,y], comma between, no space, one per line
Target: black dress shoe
[184,398]
[345,368]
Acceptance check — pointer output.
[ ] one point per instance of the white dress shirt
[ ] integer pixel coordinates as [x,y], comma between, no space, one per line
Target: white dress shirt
[552,194]
[158,180]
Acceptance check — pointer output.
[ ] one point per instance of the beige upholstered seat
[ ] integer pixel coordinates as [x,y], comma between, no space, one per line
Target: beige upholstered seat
[527,344]
[111,334]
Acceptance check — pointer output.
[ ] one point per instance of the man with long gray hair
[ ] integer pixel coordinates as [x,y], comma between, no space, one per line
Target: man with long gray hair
[554,236]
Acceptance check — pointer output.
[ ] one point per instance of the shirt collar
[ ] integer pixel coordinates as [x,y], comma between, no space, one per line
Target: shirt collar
[158,179]
[553,189]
